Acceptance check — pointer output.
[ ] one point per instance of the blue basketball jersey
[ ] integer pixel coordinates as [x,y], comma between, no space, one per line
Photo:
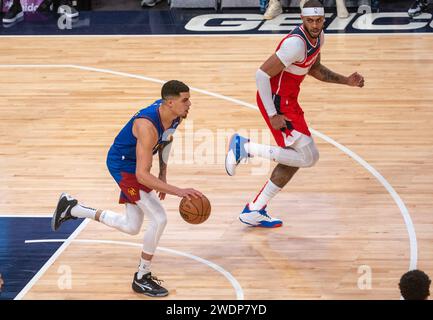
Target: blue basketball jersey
[122,154]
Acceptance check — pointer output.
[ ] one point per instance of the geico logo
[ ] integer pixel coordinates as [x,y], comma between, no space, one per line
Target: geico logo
[287,22]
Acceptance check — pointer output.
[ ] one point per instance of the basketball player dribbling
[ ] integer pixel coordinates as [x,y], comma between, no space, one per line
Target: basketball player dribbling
[278,82]
[129,161]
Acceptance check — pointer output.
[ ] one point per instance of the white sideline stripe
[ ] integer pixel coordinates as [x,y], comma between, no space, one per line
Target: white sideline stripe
[128,75]
[267,35]
[225,273]
[403,210]
[53,258]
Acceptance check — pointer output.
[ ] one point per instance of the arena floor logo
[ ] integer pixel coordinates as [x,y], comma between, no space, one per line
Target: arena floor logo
[21,261]
[355,23]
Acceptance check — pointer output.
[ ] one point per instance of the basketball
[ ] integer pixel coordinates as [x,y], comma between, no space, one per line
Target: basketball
[196,210]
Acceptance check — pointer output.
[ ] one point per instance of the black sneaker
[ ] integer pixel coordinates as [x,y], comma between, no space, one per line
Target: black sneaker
[63,211]
[45,6]
[148,285]
[14,13]
[417,8]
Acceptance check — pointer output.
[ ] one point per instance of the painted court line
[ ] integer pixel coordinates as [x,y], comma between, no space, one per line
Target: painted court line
[225,273]
[53,258]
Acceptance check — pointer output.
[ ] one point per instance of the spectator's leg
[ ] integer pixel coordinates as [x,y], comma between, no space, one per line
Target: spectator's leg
[149,3]
[341,9]
[418,7]
[14,13]
[45,6]
[301,3]
[375,5]
[274,9]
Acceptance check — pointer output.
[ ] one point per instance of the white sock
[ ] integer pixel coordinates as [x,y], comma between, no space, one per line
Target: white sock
[268,191]
[303,156]
[143,268]
[259,150]
[81,211]
[273,153]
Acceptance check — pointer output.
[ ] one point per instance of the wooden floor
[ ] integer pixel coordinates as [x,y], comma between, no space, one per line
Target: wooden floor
[57,124]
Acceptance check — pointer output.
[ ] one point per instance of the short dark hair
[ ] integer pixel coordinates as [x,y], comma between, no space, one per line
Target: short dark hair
[415,285]
[173,88]
[313,4]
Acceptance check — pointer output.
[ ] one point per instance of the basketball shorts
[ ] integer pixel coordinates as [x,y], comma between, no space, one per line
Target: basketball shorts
[292,110]
[130,188]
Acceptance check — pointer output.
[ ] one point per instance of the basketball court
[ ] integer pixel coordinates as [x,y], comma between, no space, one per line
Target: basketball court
[353,224]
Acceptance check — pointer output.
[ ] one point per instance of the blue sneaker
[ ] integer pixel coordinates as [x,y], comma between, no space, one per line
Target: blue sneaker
[259,218]
[235,153]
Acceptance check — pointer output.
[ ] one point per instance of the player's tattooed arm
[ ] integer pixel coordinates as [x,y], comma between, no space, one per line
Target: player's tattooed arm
[322,73]
[163,154]
[327,75]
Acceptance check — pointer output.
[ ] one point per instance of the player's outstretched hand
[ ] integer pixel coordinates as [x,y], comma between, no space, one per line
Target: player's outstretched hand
[355,80]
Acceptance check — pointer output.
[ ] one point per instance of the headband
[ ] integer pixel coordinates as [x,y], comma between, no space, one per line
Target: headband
[313,12]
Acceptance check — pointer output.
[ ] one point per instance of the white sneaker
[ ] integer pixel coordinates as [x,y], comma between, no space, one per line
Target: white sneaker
[341,9]
[274,9]
[149,3]
[259,218]
[301,3]
[236,153]
[417,8]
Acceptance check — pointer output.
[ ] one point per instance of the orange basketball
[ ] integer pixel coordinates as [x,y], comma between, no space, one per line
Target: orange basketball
[196,210]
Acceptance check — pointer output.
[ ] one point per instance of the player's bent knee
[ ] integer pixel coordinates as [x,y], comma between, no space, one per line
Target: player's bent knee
[310,155]
[159,215]
[161,220]
[132,229]
[312,160]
